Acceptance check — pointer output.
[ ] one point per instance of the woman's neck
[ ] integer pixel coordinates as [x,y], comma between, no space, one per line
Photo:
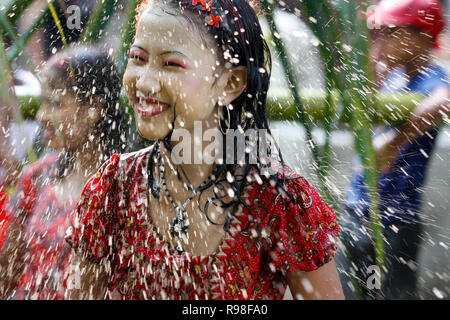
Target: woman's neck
[86,160]
[191,170]
[84,164]
[191,173]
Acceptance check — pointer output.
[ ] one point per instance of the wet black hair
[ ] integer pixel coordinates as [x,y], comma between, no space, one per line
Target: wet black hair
[240,41]
[89,72]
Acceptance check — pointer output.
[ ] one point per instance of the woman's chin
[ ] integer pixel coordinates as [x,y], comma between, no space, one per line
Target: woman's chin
[154,133]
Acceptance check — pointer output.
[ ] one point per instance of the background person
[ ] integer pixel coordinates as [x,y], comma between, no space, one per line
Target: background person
[83,124]
[402,55]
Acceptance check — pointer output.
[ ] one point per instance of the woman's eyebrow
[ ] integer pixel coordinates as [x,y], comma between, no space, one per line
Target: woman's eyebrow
[162,53]
[173,51]
[140,48]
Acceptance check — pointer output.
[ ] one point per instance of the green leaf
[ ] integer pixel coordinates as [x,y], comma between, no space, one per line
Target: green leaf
[15,9]
[98,21]
[290,75]
[8,28]
[127,35]
[19,45]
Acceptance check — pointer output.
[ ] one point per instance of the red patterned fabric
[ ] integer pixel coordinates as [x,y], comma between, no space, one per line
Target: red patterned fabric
[5,219]
[47,256]
[112,223]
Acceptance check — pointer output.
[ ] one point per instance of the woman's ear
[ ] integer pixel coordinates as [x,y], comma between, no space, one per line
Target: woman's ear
[235,85]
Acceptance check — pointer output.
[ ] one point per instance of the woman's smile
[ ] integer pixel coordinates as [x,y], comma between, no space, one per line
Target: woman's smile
[149,107]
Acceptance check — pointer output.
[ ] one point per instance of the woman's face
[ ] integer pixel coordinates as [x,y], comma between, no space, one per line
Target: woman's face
[171,76]
[65,120]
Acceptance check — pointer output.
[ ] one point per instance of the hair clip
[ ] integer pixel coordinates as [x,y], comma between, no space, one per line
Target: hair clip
[214,20]
[206,6]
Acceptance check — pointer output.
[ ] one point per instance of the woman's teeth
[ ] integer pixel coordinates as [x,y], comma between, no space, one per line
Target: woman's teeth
[149,107]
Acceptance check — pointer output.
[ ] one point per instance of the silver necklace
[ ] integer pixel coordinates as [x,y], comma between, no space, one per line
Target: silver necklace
[178,225]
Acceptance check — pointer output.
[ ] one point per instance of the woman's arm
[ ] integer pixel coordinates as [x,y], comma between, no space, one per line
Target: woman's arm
[320,284]
[88,280]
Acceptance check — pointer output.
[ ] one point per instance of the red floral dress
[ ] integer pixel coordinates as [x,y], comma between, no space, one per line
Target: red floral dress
[47,257]
[112,223]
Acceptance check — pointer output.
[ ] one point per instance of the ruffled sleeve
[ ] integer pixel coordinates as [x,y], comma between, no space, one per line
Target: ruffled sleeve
[92,231]
[302,237]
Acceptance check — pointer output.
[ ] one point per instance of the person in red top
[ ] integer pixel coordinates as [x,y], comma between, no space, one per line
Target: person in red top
[81,124]
[165,222]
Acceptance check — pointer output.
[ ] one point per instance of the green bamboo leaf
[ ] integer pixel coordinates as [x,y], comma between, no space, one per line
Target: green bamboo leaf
[128,32]
[98,21]
[19,44]
[57,22]
[29,106]
[324,24]
[8,28]
[361,99]
[15,9]
[5,77]
[290,75]
[61,33]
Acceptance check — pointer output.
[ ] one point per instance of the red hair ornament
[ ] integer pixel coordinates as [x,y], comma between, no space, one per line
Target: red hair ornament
[206,6]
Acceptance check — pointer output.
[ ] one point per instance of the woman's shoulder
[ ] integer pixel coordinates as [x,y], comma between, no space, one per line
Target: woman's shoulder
[136,155]
[298,226]
[136,159]
[46,164]
[125,162]
[287,191]
[120,171]
[276,177]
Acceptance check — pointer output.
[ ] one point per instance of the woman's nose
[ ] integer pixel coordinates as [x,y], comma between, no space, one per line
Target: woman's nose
[149,82]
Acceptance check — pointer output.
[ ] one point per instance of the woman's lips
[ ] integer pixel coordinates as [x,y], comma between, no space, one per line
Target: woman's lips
[148,107]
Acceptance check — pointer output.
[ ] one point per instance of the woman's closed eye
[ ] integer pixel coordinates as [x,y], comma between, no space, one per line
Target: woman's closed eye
[173,63]
[137,56]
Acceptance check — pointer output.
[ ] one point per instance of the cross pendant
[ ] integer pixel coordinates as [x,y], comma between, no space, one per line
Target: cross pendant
[178,225]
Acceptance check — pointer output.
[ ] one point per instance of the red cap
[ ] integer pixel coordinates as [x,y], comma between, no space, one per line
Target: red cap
[426,15]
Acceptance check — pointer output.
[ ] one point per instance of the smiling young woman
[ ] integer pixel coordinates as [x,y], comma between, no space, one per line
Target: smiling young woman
[149,226]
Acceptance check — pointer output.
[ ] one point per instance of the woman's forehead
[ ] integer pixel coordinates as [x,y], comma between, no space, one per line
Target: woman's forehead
[168,29]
